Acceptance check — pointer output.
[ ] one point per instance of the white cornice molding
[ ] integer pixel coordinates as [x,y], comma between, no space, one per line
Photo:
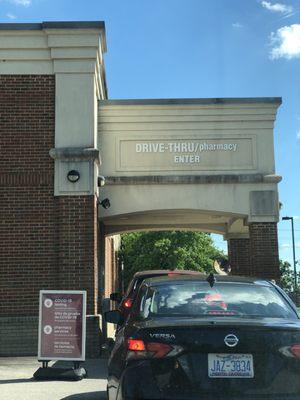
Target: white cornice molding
[47,51]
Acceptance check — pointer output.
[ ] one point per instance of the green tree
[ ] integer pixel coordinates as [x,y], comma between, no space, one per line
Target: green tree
[286,276]
[287,281]
[167,250]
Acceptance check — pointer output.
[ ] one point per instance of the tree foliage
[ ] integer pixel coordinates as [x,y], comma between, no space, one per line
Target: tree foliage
[167,250]
[287,281]
[287,276]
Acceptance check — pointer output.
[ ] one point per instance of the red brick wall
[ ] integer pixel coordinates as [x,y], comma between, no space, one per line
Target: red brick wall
[264,250]
[28,229]
[257,256]
[112,279]
[239,257]
[45,242]
[109,266]
[78,243]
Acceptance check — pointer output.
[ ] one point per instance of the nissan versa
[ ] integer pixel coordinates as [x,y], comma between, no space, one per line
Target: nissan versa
[127,301]
[206,337]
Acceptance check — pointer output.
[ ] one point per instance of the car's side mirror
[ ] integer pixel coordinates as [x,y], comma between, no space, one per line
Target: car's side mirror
[108,345]
[116,297]
[114,317]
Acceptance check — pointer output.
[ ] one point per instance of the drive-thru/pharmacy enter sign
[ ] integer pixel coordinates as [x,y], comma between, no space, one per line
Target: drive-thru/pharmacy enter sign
[62,326]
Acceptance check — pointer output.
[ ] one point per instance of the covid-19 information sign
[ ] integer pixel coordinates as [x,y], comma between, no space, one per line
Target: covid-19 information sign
[62,325]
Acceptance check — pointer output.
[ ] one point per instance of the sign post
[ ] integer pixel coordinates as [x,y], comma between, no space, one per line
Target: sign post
[62,332]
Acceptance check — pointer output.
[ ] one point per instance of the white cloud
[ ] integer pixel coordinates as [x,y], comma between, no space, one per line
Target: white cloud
[24,3]
[298,135]
[286,42]
[11,16]
[287,246]
[277,7]
[237,25]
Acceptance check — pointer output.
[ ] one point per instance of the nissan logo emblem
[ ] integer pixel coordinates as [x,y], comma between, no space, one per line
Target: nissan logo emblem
[231,340]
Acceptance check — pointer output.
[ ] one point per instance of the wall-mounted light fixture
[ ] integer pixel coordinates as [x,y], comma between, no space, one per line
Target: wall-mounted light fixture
[73,176]
[101,181]
[105,203]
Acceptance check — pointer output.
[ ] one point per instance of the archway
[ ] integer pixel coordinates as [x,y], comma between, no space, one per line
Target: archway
[196,164]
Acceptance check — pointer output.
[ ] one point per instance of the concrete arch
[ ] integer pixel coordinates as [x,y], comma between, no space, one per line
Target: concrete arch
[174,219]
[194,164]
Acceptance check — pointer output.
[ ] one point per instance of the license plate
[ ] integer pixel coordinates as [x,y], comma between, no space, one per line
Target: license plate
[230,366]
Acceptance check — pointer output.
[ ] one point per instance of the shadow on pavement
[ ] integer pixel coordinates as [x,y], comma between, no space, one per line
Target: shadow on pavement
[95,368]
[87,396]
[2,381]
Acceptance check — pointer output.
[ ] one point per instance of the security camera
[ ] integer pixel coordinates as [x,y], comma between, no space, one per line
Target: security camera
[105,203]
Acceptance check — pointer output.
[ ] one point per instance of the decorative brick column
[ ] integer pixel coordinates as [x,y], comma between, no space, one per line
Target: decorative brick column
[28,212]
[239,256]
[28,232]
[46,242]
[50,85]
[111,266]
[264,250]
[78,246]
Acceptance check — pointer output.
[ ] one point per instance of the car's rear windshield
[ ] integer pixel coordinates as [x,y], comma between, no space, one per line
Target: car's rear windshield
[198,299]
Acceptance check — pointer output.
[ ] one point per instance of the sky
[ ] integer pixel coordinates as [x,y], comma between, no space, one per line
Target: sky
[200,48]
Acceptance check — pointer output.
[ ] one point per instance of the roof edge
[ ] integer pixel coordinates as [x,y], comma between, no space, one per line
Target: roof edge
[194,101]
[80,25]
[52,25]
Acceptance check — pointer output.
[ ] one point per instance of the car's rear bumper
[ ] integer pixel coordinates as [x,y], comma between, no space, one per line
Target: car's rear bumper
[139,382]
[216,397]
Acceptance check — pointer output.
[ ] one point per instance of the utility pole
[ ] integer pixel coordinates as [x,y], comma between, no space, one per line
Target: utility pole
[294,256]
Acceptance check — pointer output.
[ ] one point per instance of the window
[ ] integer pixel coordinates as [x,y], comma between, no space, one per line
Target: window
[198,299]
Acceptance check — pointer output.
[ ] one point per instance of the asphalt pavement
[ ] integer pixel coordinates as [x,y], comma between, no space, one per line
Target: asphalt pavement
[17,383]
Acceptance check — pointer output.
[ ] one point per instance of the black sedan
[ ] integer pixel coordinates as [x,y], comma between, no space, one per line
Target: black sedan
[207,337]
[126,301]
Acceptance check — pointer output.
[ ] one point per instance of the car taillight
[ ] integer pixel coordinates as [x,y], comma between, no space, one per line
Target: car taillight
[127,303]
[220,312]
[295,350]
[138,349]
[291,351]
[159,350]
[136,345]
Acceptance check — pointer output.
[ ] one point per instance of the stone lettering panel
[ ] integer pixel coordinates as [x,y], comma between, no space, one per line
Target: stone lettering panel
[186,154]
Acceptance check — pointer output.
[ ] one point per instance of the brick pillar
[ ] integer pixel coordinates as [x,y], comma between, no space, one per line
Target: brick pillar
[239,256]
[264,250]
[48,225]
[28,227]
[77,259]
[111,266]
[108,266]
[101,264]
[27,207]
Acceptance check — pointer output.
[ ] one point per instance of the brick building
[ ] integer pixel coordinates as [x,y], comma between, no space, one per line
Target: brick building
[55,119]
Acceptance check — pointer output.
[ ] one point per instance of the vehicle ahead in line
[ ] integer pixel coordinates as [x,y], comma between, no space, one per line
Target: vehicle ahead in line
[126,301]
[206,337]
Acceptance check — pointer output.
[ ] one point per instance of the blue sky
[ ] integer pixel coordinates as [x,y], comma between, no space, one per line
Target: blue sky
[198,48]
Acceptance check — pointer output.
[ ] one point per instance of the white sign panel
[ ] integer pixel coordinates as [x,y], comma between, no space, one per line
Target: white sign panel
[186,154]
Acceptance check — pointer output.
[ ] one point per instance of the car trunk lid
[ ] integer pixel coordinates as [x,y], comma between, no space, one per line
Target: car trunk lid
[266,341]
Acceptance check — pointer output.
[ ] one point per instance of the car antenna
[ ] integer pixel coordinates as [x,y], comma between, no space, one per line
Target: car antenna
[211,279]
